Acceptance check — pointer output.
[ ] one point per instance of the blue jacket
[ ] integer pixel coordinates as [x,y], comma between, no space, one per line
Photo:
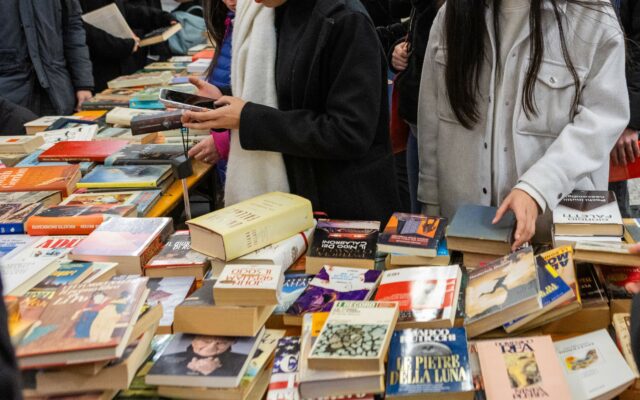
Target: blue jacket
[221,74]
[43,40]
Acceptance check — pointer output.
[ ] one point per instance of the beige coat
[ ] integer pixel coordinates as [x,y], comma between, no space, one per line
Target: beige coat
[553,155]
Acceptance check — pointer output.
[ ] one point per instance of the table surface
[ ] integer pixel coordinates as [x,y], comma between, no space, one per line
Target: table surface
[169,200]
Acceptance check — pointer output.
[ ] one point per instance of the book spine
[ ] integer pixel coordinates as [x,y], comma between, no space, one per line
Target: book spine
[154,247]
[81,225]
[11,228]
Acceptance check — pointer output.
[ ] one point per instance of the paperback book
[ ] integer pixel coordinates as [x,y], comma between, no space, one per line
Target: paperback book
[622,326]
[176,257]
[13,217]
[142,154]
[46,198]
[9,243]
[617,280]
[169,292]
[412,234]
[35,179]
[249,285]
[442,257]
[82,133]
[588,213]
[142,199]
[74,220]
[292,288]
[19,144]
[125,177]
[31,160]
[284,374]
[76,151]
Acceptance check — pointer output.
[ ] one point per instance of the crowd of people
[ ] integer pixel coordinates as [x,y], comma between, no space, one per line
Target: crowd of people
[509,103]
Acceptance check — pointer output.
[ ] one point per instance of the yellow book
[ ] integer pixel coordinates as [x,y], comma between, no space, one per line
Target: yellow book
[125,176]
[250,225]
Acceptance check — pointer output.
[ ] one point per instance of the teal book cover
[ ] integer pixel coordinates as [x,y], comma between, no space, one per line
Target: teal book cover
[475,222]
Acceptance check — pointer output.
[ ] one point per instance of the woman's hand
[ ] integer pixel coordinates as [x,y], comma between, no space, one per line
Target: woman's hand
[205,89]
[226,116]
[626,149]
[205,151]
[526,211]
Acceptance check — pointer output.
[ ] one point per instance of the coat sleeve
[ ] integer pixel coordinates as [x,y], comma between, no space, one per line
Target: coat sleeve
[105,46]
[583,146]
[347,126]
[75,47]
[146,18]
[428,193]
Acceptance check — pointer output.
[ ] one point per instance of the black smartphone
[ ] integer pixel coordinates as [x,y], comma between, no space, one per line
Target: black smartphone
[187,101]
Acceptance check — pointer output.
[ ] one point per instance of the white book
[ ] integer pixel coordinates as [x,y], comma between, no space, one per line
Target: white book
[109,19]
[77,133]
[593,366]
[588,213]
[199,66]
[9,243]
[249,285]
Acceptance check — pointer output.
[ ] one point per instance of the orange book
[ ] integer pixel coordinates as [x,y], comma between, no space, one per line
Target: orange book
[74,220]
[208,53]
[61,178]
[90,115]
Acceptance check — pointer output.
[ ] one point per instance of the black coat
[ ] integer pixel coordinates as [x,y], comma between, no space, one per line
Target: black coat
[335,134]
[9,375]
[630,17]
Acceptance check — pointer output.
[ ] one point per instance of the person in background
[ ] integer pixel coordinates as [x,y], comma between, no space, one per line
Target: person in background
[44,61]
[13,117]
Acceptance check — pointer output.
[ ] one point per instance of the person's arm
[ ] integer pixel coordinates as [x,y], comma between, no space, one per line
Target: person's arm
[105,46]
[75,48]
[347,127]
[583,146]
[146,18]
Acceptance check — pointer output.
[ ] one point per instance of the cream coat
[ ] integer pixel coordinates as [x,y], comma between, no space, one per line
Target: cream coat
[553,155]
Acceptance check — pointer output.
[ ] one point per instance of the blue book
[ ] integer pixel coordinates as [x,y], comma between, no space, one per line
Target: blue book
[146,104]
[424,361]
[473,223]
[292,288]
[32,161]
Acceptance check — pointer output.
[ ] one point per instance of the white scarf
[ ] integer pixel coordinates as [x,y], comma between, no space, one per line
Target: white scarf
[253,61]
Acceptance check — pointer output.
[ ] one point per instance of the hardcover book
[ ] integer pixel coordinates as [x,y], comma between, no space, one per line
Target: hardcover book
[160,35]
[472,230]
[588,213]
[632,230]
[429,361]
[131,176]
[345,243]
[82,133]
[204,361]
[332,284]
[609,253]
[73,220]
[40,124]
[142,199]
[442,257]
[13,217]
[36,179]
[141,79]
[82,150]
[412,234]
[20,144]
[177,255]
[522,368]
[617,279]
[249,285]
[46,198]
[142,154]
[292,288]
[284,374]
[356,336]
[87,322]
[593,366]
[31,160]
[427,296]
[123,116]
[501,291]
[156,122]
[169,292]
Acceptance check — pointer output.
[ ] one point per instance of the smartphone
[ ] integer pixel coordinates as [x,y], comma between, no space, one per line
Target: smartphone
[186,101]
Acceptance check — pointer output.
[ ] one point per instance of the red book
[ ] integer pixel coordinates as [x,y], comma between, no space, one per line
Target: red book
[61,178]
[82,150]
[619,173]
[203,54]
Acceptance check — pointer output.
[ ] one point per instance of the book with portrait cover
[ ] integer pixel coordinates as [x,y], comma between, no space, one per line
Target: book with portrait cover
[177,256]
[501,291]
[13,217]
[84,323]
[141,154]
[61,178]
[249,285]
[74,220]
[522,368]
[427,296]
[204,361]
[284,374]
[345,243]
[429,361]
[96,151]
[142,199]
[129,176]
[588,213]
[412,234]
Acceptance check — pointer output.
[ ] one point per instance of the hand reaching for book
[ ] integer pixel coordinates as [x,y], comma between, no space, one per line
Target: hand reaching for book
[526,211]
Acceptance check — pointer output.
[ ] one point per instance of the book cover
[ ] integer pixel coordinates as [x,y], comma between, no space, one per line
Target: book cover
[292,288]
[412,234]
[250,277]
[13,217]
[73,220]
[169,292]
[593,366]
[263,355]
[617,278]
[475,222]
[177,252]
[44,197]
[588,207]
[561,260]
[590,287]
[284,374]
[622,325]
[284,252]
[632,230]
[96,151]
[423,361]
[123,116]
[57,178]
[134,176]
[522,368]
[141,79]
[82,133]
[423,293]
[9,243]
[31,160]
[345,239]
[19,144]
[335,283]
[476,371]
[142,199]
[501,284]
[83,317]
[141,154]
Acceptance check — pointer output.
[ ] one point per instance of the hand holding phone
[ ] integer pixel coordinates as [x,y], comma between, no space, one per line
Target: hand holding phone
[186,101]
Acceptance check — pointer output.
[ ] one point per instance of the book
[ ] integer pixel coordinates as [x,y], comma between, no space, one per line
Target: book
[560,240]
[344,243]
[73,220]
[501,291]
[204,361]
[109,19]
[608,253]
[40,124]
[131,242]
[84,323]
[284,374]
[11,159]
[73,122]
[142,199]
[82,151]
[593,366]
[328,286]
[46,198]
[588,213]
[476,372]
[166,66]
[160,35]
[427,296]
[292,288]
[590,286]
[412,234]
[36,179]
[521,368]
[126,134]
[622,326]
[130,176]
[122,116]
[177,259]
[27,265]
[8,243]
[249,285]
[355,336]
[247,226]
[398,260]
[616,280]
[20,144]
[631,230]
[472,230]
[553,292]
[142,154]
[31,160]
[198,66]
[198,314]
[81,133]
[429,363]
[170,292]
[164,121]
[13,216]
[141,79]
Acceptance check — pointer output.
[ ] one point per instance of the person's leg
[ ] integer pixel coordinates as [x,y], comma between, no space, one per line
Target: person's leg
[412,169]
[622,195]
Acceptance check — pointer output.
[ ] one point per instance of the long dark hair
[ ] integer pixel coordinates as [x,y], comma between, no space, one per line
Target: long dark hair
[464,33]
[215,13]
